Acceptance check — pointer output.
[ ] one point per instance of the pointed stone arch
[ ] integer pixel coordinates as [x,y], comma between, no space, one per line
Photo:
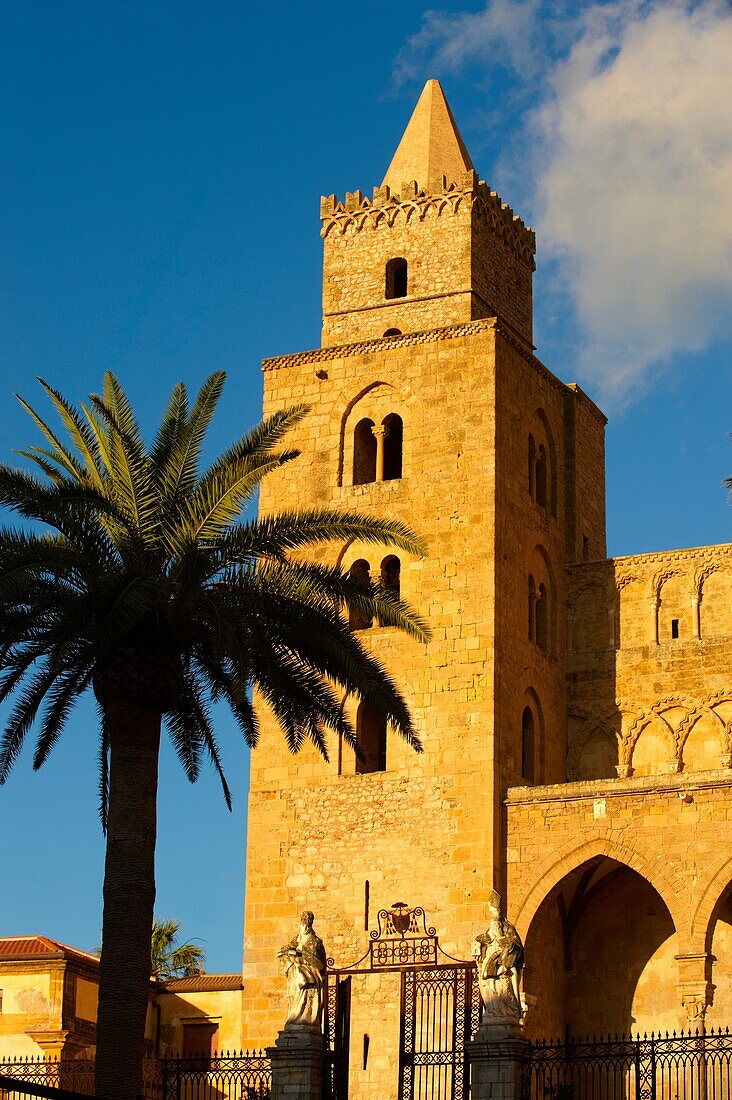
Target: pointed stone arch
[570,856]
[701,923]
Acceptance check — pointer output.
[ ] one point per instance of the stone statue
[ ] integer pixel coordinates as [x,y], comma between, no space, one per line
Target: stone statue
[499,955]
[303,962]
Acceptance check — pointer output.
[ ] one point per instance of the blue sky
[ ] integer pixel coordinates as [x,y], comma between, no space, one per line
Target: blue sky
[161,170]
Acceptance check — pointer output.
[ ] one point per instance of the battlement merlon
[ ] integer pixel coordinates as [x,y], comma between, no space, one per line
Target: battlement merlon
[359,212]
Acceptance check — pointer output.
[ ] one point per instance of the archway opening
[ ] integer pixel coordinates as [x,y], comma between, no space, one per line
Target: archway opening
[364,452]
[721,950]
[600,956]
[393,440]
[391,575]
[358,619]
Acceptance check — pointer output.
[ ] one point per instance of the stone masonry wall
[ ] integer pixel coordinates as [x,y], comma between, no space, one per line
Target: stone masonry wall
[642,701]
[421,831]
[469,257]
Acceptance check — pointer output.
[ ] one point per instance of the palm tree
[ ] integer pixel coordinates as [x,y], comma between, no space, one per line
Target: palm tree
[171,959]
[145,584]
[168,959]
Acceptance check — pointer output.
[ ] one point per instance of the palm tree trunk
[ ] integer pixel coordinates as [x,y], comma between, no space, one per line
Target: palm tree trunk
[129,898]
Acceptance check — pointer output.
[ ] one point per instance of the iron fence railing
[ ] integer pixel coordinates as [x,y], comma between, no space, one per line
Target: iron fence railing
[685,1066]
[229,1075]
[243,1075]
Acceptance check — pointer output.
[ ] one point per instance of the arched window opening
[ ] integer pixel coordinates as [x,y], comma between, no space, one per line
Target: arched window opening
[358,620]
[527,745]
[393,439]
[364,452]
[371,738]
[541,483]
[542,619]
[532,467]
[532,609]
[393,332]
[396,278]
[390,575]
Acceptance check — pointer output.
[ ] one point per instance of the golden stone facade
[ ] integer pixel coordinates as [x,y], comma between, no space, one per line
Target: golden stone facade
[575,710]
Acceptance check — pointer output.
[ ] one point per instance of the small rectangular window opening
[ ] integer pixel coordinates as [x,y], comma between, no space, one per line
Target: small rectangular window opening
[674,628]
[366,1045]
[585,548]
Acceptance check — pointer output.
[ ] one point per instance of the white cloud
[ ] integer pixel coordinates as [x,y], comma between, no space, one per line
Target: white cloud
[636,193]
[446,42]
[632,138]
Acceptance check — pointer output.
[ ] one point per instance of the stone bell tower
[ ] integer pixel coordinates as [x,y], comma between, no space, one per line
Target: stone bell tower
[428,405]
[433,247]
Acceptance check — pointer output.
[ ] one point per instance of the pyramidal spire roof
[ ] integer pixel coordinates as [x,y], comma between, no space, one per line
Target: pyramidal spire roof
[431,145]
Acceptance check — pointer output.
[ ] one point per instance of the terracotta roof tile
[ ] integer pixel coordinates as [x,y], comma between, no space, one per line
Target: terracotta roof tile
[27,947]
[203,983]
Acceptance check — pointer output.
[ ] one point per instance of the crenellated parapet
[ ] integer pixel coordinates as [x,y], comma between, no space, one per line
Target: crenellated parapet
[358,212]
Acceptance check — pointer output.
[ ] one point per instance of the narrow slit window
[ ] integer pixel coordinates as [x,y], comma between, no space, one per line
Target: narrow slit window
[396,278]
[532,467]
[371,738]
[674,628]
[541,486]
[532,609]
[528,749]
[542,619]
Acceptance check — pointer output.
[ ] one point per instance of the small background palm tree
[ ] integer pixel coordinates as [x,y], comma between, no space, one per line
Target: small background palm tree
[168,958]
[171,959]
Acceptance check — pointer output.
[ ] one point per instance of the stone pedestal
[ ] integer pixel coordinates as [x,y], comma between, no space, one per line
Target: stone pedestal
[496,1056]
[297,1060]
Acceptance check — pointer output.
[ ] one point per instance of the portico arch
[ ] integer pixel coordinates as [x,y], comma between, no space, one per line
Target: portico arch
[571,855]
[601,951]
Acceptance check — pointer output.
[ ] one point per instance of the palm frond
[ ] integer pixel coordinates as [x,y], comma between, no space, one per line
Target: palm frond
[82,438]
[181,469]
[172,426]
[22,717]
[62,455]
[62,697]
[274,536]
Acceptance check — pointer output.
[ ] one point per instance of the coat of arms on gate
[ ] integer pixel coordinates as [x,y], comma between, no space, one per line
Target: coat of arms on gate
[403,938]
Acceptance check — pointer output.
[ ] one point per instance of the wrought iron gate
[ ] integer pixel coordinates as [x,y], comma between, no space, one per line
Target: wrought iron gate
[440,1011]
[337,1036]
[439,1008]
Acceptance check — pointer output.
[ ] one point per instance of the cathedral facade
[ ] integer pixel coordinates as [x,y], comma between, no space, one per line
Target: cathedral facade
[575,710]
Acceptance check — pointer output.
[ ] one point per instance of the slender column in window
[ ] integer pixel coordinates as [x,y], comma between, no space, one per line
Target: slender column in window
[653,620]
[380,432]
[695,616]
